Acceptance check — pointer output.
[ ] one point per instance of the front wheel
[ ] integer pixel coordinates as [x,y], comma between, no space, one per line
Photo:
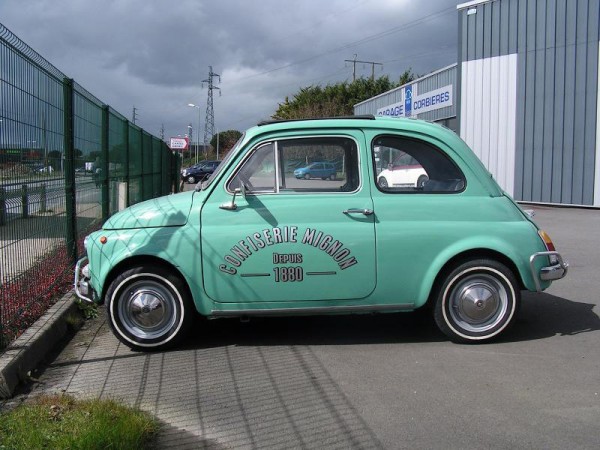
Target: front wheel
[191,179]
[476,301]
[149,308]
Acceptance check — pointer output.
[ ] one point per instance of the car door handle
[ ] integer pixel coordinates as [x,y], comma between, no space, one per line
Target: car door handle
[366,212]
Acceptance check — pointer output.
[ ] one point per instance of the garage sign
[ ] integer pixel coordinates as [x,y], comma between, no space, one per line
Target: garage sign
[414,104]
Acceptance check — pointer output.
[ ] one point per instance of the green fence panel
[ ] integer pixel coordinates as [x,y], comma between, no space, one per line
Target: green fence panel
[63,156]
[148,166]
[135,164]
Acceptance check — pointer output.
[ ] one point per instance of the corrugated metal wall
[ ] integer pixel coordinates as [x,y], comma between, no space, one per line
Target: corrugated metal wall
[556,43]
[428,83]
[485,122]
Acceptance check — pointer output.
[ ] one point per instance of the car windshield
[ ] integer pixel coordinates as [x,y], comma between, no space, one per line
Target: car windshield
[222,165]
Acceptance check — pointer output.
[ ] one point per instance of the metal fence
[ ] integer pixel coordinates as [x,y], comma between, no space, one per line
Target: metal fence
[67,162]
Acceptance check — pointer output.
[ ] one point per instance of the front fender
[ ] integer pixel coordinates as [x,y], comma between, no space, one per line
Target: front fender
[125,247]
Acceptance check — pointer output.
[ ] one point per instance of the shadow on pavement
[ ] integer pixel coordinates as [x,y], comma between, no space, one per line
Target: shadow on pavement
[541,316]
[175,437]
[316,330]
[544,315]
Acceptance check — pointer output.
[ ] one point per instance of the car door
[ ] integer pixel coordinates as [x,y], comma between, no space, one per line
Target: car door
[317,170]
[282,239]
[416,224]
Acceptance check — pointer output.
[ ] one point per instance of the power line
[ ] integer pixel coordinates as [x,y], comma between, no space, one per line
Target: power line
[354,61]
[364,40]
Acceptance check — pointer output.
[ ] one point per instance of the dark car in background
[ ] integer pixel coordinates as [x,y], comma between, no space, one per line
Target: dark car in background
[199,172]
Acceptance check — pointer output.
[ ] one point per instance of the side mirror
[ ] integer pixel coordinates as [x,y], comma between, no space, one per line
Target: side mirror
[232,206]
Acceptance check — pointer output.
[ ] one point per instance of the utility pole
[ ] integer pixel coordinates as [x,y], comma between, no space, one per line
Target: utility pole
[162,131]
[354,61]
[209,128]
[191,136]
[134,115]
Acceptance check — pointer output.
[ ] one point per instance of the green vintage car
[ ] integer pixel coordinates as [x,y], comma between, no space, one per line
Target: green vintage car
[253,240]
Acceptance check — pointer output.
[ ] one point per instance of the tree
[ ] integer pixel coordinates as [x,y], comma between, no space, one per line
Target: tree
[406,77]
[227,140]
[335,99]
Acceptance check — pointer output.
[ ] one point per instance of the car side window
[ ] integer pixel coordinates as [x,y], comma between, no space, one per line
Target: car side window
[320,164]
[258,172]
[404,165]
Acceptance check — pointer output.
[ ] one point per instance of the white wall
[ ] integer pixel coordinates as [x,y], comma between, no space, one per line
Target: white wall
[488,113]
[597,174]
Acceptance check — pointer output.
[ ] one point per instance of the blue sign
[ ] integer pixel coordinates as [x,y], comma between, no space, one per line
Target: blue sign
[408,100]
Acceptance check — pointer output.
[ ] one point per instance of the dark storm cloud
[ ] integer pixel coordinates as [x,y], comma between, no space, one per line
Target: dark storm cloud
[154,54]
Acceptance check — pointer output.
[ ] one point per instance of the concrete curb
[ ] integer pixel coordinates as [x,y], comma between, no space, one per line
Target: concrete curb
[30,349]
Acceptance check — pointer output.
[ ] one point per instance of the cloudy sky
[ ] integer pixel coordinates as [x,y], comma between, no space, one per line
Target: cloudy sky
[154,54]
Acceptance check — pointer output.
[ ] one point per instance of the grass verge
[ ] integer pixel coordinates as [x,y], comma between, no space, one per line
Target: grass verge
[62,422]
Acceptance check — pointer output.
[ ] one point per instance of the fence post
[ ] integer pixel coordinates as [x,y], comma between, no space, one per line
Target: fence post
[69,173]
[24,201]
[143,167]
[126,162]
[2,206]
[104,162]
[176,170]
[43,198]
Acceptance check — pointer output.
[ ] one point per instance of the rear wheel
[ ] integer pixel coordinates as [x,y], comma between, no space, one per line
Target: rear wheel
[477,301]
[149,308]
[332,177]
[382,182]
[422,180]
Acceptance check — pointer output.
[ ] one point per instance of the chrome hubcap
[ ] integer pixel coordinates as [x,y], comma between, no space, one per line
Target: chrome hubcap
[478,302]
[147,309]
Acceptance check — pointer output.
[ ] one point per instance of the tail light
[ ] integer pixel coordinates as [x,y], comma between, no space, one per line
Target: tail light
[549,245]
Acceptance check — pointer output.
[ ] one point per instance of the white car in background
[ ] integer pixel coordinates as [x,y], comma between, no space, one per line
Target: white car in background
[405,171]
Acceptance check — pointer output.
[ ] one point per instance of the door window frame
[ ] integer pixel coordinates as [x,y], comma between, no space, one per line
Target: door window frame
[277,163]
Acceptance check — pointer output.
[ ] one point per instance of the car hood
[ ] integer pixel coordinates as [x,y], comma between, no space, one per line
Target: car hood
[167,211]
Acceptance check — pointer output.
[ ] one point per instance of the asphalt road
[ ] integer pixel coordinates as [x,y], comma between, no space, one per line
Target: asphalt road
[382,381]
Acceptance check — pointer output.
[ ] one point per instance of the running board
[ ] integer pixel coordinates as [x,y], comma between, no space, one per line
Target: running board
[314,310]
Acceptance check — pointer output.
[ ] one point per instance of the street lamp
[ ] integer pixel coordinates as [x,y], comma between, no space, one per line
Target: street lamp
[191,105]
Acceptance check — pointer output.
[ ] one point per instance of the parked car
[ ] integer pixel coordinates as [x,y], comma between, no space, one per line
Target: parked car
[254,242]
[323,170]
[199,172]
[404,171]
[40,169]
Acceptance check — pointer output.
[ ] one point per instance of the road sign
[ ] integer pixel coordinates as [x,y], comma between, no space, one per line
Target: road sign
[178,143]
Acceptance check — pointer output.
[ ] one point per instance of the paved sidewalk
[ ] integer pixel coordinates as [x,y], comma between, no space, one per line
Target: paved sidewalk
[208,396]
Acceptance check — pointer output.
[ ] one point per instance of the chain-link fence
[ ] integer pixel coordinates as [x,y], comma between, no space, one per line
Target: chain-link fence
[67,162]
